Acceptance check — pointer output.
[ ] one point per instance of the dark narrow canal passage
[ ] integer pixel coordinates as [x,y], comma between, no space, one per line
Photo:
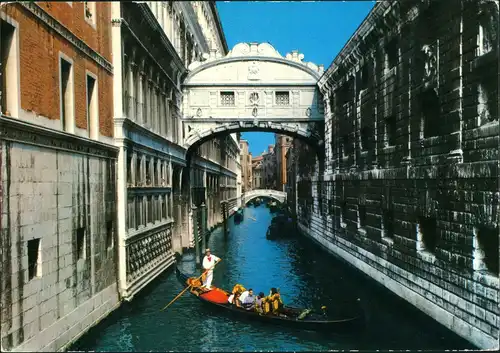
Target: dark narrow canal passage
[307,277]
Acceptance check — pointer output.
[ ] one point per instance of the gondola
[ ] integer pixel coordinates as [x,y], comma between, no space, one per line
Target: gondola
[238,216]
[313,321]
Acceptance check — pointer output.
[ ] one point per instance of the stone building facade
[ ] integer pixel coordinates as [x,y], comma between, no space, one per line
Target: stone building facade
[281,146]
[158,177]
[258,172]
[58,206]
[246,166]
[269,167]
[408,192]
[96,181]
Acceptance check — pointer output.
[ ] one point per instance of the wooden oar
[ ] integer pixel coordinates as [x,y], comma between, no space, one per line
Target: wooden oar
[185,289]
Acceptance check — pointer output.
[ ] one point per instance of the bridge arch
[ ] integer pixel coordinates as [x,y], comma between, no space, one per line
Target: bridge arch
[272,194]
[252,88]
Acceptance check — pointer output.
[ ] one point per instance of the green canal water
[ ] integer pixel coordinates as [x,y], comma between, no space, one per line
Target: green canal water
[307,277]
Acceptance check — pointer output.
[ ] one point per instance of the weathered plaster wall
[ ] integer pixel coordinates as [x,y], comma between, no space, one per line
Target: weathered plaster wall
[66,200]
[410,191]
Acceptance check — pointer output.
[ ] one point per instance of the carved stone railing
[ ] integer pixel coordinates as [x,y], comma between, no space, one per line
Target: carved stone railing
[146,251]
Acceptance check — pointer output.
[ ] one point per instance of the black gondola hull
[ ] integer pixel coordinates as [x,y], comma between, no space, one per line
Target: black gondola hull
[347,325]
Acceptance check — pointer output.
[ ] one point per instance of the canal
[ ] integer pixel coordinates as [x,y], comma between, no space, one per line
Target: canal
[307,277]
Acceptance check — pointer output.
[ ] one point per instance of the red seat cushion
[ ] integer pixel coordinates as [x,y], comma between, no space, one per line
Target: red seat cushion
[215,296]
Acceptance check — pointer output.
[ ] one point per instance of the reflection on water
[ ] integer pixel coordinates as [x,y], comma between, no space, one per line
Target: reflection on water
[306,276]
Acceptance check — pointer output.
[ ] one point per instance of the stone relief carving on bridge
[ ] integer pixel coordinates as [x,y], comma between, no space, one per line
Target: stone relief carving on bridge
[254,98]
[253,71]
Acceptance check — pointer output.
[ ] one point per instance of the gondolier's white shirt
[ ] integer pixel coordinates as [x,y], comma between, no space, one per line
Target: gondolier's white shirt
[209,264]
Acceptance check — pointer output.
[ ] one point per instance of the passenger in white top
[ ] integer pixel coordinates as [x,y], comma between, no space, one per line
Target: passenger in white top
[208,264]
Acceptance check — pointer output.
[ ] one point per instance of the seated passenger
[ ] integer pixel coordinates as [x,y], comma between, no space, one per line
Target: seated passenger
[230,299]
[238,288]
[247,299]
[237,300]
[273,302]
[259,303]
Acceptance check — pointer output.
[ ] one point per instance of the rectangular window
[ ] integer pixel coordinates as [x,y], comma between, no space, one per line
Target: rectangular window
[485,243]
[138,212]
[391,54]
[109,234]
[366,134]
[154,209]
[343,213]
[431,112]
[163,177]
[361,216]
[67,103]
[161,201]
[80,243]
[9,69]
[390,131]
[131,214]
[345,145]
[427,234]
[129,168]
[365,76]
[92,108]
[282,98]
[227,99]
[148,173]
[388,224]
[149,201]
[168,206]
[90,12]
[138,171]
[34,258]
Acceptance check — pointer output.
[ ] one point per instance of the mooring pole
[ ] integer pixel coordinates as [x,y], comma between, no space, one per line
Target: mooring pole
[195,235]
[224,217]
[203,226]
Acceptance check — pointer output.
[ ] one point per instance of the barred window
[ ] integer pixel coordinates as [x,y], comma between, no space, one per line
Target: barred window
[282,98]
[227,98]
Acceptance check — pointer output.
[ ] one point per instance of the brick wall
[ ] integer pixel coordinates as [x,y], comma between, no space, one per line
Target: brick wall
[39,60]
[410,195]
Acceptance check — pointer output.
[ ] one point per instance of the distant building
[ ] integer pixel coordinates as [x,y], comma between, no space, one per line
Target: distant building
[258,172]
[269,168]
[282,145]
[246,166]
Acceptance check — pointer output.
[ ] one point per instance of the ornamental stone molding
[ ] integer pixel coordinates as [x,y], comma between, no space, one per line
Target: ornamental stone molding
[19,131]
[255,52]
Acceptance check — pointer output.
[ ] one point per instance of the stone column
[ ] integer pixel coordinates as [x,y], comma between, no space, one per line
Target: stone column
[140,98]
[194,211]
[121,186]
[203,226]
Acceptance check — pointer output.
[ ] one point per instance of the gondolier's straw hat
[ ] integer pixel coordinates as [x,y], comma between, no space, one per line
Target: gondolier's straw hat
[207,250]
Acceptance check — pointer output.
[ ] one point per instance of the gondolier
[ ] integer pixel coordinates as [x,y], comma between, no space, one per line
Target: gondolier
[208,264]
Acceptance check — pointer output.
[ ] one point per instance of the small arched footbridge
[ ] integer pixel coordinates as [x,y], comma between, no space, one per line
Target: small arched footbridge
[272,194]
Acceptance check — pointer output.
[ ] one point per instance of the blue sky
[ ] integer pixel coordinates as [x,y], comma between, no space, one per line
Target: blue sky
[318,29]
